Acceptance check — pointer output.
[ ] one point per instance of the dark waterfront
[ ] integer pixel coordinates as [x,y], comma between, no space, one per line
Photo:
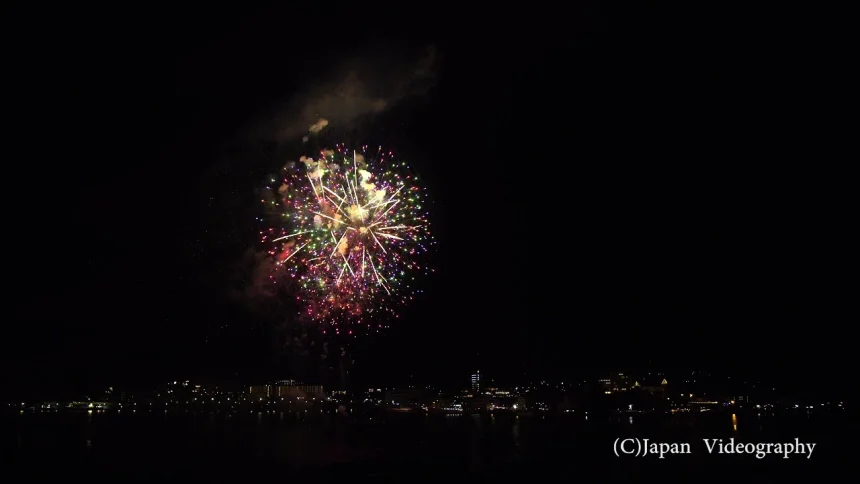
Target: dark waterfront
[235,448]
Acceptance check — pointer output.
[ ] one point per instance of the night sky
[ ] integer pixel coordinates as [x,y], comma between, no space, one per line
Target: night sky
[604,196]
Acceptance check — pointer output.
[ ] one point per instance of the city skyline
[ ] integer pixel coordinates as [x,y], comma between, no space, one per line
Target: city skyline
[615,393]
[597,381]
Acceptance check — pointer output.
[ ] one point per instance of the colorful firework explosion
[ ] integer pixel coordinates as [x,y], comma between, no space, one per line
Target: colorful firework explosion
[351,232]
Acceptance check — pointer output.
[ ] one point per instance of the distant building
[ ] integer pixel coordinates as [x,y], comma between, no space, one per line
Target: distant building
[479,403]
[261,391]
[476,383]
[617,382]
[702,402]
[656,389]
[287,389]
[300,391]
[620,382]
[407,397]
[606,384]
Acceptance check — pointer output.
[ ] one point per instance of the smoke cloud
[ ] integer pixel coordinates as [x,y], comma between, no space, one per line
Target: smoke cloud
[318,126]
[256,285]
[358,88]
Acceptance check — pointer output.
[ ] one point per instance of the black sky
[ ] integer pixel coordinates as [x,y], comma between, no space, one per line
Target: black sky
[605,194]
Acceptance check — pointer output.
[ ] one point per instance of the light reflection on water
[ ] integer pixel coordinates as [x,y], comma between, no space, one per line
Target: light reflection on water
[479,442]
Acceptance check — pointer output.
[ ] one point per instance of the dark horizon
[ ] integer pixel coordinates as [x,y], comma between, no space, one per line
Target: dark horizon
[600,201]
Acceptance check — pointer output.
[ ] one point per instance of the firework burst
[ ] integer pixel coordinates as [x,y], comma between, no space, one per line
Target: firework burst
[351,229]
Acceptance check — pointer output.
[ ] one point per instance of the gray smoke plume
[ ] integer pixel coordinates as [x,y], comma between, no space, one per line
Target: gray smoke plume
[360,87]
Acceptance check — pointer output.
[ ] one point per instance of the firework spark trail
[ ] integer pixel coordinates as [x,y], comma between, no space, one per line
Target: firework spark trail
[389,208]
[345,261]
[380,213]
[294,252]
[377,241]
[379,278]
[291,235]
